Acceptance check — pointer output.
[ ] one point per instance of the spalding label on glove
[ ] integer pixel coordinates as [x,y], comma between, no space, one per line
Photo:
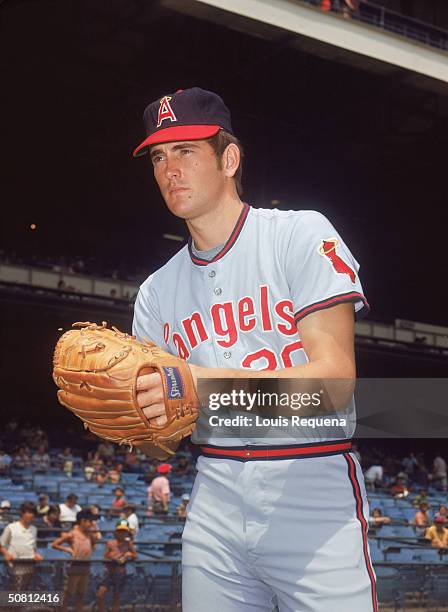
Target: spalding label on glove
[175,389]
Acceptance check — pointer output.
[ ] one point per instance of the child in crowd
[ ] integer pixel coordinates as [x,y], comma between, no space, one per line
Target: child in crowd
[118,551]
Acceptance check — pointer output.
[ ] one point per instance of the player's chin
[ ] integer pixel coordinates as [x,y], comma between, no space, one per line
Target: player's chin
[182,207]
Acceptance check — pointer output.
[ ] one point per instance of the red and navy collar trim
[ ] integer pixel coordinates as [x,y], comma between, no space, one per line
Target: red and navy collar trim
[228,245]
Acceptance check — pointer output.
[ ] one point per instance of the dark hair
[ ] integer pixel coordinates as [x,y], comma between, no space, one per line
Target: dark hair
[71,496]
[129,507]
[85,514]
[377,510]
[27,506]
[219,143]
[53,509]
[119,489]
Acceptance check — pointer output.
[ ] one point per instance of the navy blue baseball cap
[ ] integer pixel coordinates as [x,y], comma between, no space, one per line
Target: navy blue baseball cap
[188,114]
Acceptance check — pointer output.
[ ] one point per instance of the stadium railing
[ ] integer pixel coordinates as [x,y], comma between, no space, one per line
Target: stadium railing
[155,584]
[396,23]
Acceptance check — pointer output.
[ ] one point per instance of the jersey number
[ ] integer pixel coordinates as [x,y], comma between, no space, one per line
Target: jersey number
[270,359]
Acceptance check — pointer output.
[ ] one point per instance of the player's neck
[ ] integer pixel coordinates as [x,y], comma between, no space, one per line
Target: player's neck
[214,228]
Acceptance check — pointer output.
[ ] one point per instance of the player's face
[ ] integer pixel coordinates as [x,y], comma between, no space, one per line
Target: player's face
[188,177]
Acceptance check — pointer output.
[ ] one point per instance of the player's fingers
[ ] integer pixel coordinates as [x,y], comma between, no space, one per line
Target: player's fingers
[154,411]
[148,398]
[148,381]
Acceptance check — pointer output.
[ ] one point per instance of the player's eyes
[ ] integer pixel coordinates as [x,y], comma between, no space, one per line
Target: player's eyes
[186,151]
[156,159]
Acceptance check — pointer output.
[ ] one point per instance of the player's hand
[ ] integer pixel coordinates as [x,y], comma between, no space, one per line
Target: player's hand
[150,396]
[38,557]
[9,556]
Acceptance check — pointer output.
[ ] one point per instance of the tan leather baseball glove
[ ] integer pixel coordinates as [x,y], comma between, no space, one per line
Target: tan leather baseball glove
[96,370]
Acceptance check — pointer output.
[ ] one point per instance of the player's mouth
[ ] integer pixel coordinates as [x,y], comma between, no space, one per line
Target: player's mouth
[176,190]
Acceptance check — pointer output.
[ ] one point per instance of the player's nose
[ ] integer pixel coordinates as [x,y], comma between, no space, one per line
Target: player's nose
[171,168]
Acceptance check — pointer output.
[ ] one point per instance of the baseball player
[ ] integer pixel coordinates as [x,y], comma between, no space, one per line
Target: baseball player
[270,522]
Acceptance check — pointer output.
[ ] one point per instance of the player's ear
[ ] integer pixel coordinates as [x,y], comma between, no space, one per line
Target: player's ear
[231,160]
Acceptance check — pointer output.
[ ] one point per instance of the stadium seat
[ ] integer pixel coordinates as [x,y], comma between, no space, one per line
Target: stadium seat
[430,555]
[375,551]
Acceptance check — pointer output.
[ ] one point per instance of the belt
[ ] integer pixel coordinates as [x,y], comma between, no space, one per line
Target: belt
[271,453]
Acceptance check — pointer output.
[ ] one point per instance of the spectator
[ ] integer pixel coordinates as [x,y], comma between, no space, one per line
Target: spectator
[159,491]
[42,504]
[421,519]
[22,458]
[131,461]
[442,511]
[439,475]
[40,459]
[438,533]
[18,545]
[421,472]
[66,455]
[114,474]
[5,462]
[349,8]
[118,503]
[50,524]
[118,551]
[377,520]
[10,434]
[421,497]
[374,476]
[5,513]
[106,450]
[38,438]
[79,543]
[101,477]
[89,471]
[70,509]
[182,467]
[96,513]
[409,464]
[96,462]
[399,489]
[131,516]
[181,510]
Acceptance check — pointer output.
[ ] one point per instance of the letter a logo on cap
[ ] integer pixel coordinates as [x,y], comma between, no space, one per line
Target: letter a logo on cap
[165,111]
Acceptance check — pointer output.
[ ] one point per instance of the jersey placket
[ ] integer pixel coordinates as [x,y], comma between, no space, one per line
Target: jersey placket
[215,291]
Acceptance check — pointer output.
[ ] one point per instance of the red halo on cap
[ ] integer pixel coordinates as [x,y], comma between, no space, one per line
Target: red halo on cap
[178,132]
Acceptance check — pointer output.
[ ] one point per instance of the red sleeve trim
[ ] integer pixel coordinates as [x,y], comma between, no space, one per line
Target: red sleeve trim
[351,296]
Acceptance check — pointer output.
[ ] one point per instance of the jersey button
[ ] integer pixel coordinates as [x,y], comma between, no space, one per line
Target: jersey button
[212,273]
[218,291]
[227,355]
[247,453]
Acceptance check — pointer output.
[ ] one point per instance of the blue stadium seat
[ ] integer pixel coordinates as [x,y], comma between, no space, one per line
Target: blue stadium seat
[375,551]
[409,513]
[425,555]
